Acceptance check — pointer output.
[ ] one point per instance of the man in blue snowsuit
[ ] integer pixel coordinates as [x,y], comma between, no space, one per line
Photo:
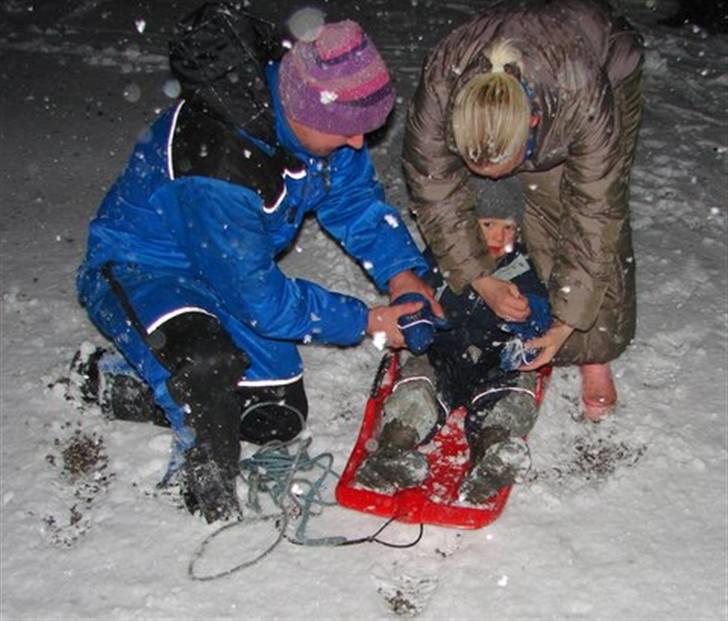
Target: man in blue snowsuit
[181,269]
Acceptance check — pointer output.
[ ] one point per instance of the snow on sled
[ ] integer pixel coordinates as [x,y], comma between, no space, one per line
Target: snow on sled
[436,500]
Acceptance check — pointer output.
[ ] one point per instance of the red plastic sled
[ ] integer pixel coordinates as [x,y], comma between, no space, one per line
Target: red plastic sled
[436,500]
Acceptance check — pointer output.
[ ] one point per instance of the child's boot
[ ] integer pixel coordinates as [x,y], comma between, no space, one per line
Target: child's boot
[505,460]
[515,408]
[498,454]
[411,414]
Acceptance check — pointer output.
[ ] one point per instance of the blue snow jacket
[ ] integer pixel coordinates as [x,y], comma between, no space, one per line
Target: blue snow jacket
[217,242]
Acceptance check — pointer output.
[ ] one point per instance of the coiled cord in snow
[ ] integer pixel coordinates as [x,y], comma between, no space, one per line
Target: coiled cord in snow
[282,471]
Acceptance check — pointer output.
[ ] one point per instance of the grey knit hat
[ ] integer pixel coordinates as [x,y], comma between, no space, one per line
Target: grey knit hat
[500,198]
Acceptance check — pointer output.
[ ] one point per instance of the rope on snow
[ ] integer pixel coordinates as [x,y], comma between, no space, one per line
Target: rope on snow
[276,470]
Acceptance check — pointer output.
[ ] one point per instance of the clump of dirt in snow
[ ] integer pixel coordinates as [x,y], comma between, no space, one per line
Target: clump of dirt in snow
[84,478]
[406,592]
[83,455]
[400,604]
[592,458]
[601,457]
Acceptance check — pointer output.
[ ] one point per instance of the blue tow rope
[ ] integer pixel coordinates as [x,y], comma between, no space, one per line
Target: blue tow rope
[275,469]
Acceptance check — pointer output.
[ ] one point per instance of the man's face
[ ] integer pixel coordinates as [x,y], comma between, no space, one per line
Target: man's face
[499,235]
[322,144]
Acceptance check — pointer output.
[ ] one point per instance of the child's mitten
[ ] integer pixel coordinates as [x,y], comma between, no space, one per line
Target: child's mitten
[419,328]
[514,352]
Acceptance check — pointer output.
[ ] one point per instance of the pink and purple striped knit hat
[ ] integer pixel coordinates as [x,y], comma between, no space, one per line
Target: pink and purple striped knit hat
[337,83]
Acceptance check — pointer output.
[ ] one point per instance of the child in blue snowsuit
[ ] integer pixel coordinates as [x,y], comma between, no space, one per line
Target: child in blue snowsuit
[181,270]
[470,361]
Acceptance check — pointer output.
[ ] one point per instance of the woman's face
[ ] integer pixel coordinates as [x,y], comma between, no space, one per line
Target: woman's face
[499,235]
[499,169]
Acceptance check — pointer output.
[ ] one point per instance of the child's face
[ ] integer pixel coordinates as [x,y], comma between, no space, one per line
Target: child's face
[499,235]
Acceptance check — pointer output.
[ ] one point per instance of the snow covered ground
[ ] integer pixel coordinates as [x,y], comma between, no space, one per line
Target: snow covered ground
[624,520]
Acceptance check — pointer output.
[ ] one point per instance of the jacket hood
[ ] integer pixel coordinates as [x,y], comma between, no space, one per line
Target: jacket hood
[218,54]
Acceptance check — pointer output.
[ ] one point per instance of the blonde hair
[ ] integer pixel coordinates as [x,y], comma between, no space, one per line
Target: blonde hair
[492,112]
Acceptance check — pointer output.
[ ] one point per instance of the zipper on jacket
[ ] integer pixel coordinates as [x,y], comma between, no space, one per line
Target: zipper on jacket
[322,167]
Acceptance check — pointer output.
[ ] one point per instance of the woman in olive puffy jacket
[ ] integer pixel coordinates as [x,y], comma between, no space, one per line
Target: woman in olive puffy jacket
[549,93]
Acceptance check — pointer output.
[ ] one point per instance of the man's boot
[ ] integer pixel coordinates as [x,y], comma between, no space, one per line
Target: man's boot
[207,487]
[103,377]
[205,366]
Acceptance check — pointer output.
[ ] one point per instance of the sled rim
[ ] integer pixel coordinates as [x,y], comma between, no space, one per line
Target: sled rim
[413,505]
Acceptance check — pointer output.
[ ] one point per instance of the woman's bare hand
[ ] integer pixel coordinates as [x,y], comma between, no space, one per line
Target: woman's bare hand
[503,298]
[549,344]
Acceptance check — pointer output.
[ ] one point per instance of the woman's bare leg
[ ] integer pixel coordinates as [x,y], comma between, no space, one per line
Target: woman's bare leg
[598,393]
